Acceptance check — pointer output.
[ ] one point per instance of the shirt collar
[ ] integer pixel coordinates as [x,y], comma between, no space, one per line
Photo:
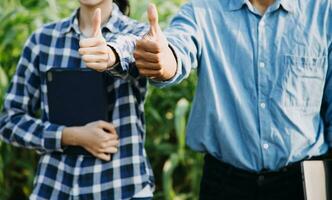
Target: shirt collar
[288,5]
[71,23]
[236,4]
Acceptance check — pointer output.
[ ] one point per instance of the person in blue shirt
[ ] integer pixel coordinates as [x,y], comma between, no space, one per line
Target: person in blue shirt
[118,167]
[263,101]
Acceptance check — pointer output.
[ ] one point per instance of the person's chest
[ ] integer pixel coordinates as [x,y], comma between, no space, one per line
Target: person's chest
[280,55]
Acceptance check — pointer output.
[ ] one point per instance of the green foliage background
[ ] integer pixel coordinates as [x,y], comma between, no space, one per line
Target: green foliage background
[177,169]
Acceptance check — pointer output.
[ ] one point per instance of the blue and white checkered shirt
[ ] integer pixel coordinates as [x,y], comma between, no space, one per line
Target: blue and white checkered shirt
[62,176]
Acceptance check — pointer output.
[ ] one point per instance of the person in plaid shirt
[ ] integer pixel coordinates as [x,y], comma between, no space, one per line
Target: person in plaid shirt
[91,37]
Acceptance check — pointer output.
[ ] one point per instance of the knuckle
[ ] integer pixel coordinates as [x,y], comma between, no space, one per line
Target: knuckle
[100,156]
[159,66]
[103,50]
[101,70]
[90,65]
[105,58]
[84,58]
[156,47]
[158,59]
[138,65]
[141,71]
[103,145]
[99,150]
[159,72]
[111,125]
[103,66]
[81,43]
[139,44]
[101,41]
[112,137]
[136,54]
[97,131]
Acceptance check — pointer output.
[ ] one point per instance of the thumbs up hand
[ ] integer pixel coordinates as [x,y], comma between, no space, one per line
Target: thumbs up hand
[95,52]
[154,58]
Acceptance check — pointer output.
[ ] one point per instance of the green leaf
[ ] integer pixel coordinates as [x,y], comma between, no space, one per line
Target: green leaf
[182,108]
[168,170]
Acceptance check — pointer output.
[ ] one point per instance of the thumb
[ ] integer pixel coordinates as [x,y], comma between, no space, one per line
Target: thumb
[96,23]
[153,19]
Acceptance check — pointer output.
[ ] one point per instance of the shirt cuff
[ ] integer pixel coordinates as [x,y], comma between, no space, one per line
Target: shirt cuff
[178,73]
[121,68]
[53,138]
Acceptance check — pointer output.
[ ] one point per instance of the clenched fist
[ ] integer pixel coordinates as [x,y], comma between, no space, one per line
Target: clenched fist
[95,52]
[154,58]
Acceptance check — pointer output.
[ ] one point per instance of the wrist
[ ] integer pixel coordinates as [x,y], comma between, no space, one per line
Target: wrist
[70,136]
[113,57]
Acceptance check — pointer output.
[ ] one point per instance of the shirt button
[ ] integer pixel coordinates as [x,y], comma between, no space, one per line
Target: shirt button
[263,105]
[262,65]
[266,146]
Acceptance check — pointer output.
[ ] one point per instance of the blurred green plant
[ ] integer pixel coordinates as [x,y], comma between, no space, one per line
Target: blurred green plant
[183,159]
[177,169]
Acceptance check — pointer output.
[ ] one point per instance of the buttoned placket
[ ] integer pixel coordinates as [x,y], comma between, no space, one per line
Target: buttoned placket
[262,75]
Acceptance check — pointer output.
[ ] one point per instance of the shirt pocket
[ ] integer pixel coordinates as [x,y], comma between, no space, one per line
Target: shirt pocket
[302,83]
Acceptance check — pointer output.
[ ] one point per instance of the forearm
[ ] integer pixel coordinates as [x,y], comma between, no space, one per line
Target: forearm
[25,131]
[70,136]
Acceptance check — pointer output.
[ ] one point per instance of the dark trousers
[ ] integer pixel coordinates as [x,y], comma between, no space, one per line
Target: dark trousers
[223,182]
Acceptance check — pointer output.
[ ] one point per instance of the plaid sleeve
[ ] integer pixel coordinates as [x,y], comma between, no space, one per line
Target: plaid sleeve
[124,44]
[18,123]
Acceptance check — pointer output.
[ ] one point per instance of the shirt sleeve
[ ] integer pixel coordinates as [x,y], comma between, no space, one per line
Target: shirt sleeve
[18,122]
[185,40]
[124,44]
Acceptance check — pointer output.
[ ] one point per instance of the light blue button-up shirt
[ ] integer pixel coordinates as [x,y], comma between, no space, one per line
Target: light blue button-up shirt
[264,90]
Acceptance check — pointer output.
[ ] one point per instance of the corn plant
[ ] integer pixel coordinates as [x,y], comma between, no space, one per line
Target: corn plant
[182,158]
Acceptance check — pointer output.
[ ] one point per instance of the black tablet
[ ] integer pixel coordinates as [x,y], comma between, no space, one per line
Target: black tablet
[77,97]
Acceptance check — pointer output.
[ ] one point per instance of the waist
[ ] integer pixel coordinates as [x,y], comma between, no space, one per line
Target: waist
[294,168]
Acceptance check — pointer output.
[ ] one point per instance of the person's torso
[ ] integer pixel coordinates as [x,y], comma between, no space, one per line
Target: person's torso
[261,82]
[84,177]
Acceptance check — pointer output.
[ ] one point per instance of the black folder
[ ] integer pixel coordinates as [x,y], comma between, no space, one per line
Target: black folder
[317,180]
[77,97]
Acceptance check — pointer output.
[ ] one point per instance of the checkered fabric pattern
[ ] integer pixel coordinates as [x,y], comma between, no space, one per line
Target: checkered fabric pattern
[62,176]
